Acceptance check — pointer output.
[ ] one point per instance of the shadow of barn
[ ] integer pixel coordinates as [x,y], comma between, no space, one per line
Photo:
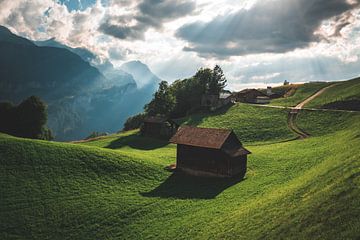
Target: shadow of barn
[182,186]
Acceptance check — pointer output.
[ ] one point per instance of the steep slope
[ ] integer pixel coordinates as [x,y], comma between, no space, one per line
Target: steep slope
[67,83]
[293,190]
[51,73]
[141,73]
[115,76]
[343,95]
[299,93]
[103,110]
[7,36]
[80,98]
[270,124]
[85,54]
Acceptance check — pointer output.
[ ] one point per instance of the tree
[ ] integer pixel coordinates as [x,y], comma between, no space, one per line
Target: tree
[217,82]
[163,102]
[28,119]
[134,122]
[31,117]
[46,134]
[183,96]
[203,77]
[7,118]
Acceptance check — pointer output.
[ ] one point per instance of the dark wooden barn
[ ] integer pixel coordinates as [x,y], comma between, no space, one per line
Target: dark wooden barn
[252,96]
[209,152]
[214,102]
[159,127]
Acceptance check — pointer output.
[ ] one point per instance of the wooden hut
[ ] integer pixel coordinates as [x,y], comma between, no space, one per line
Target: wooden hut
[159,127]
[209,152]
[214,102]
[252,96]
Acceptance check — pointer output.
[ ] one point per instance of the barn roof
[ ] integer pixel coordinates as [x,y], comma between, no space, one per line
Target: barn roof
[201,137]
[237,152]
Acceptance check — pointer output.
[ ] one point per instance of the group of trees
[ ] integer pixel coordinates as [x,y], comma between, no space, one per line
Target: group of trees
[182,97]
[28,119]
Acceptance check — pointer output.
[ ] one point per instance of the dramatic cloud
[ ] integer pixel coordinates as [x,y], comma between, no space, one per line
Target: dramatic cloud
[256,42]
[148,14]
[274,26]
[274,70]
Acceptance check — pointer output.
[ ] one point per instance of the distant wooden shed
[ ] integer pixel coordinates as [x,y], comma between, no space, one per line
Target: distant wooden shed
[159,127]
[209,152]
[252,96]
[214,102]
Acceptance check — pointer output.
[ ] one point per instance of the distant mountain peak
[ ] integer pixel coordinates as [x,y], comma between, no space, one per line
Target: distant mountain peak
[141,73]
[115,76]
[136,63]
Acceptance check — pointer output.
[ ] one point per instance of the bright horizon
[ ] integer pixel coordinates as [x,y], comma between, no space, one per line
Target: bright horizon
[257,43]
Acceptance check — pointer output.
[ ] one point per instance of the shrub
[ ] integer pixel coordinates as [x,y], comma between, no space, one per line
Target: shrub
[27,120]
[134,122]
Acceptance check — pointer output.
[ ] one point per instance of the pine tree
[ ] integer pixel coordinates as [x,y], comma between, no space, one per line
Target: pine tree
[163,102]
[217,82]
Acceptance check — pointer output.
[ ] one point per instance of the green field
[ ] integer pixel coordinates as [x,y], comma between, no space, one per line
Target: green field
[302,92]
[116,187]
[343,91]
[252,124]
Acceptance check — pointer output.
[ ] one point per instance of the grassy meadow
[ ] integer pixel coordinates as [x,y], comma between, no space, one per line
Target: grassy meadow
[342,91]
[116,187]
[252,124]
[302,92]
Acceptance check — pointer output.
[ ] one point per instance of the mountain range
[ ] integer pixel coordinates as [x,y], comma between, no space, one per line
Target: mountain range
[83,93]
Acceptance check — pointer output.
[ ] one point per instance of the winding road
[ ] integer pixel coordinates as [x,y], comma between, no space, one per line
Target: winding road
[294,112]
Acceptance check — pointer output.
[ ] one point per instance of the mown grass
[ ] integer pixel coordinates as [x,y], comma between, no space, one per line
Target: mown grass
[284,89]
[342,91]
[319,123]
[117,188]
[293,190]
[302,92]
[133,144]
[252,124]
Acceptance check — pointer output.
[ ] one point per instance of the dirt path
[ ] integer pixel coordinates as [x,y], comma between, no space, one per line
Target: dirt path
[294,112]
[309,99]
[292,124]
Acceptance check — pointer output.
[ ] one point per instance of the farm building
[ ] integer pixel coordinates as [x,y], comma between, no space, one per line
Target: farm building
[252,96]
[210,152]
[275,96]
[159,127]
[271,94]
[214,102]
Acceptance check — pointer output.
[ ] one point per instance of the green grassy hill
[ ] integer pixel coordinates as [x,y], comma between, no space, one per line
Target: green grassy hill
[253,124]
[300,92]
[116,187]
[342,91]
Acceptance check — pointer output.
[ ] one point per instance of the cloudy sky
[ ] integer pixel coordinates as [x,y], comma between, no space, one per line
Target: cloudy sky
[256,42]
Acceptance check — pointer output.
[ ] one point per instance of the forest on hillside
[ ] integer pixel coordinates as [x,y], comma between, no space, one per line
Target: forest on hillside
[181,97]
